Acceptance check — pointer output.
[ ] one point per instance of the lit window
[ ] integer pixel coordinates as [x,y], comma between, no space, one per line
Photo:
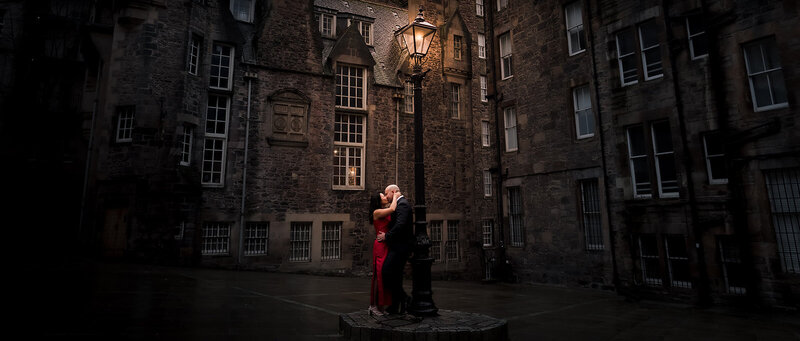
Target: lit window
[350,87]
[510,129]
[584,118]
[216,238]
[576,37]
[698,41]
[765,74]
[221,67]
[348,151]
[505,55]
[125,117]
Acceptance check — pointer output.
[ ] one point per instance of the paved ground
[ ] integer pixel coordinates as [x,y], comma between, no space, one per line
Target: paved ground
[80,298]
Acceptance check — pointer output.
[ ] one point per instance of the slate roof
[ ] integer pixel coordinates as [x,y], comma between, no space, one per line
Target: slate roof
[384,49]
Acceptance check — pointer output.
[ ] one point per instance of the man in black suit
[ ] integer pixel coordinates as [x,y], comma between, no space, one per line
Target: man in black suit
[400,240]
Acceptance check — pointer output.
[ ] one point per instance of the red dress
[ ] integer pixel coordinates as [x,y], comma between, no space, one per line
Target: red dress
[379,295]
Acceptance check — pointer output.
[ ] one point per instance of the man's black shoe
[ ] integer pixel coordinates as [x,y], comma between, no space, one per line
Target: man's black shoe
[404,304]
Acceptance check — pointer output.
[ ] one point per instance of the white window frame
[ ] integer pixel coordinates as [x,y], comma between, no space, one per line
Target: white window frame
[360,26]
[256,238]
[216,239]
[772,84]
[195,46]
[249,14]
[692,36]
[455,100]
[620,56]
[218,140]
[332,28]
[221,66]
[300,241]
[126,118]
[479,8]
[658,155]
[631,159]
[481,46]
[486,140]
[506,55]
[510,119]
[488,232]
[649,280]
[581,112]
[711,179]
[484,89]
[352,172]
[487,183]
[186,145]
[644,50]
[674,260]
[574,27]
[331,241]
[458,47]
[408,98]
[451,247]
[728,255]
[341,76]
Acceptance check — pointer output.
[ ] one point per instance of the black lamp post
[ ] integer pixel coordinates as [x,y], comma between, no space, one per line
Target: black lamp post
[417,37]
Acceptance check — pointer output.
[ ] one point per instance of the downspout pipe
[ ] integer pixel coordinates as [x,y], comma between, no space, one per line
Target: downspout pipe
[501,265]
[704,291]
[244,169]
[612,235]
[89,148]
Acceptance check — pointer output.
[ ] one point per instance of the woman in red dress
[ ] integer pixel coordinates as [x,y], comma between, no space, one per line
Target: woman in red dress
[381,214]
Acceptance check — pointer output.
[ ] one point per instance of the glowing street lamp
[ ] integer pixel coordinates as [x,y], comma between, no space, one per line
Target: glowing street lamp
[416,37]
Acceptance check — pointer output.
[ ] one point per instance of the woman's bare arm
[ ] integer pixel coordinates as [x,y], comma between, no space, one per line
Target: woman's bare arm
[380,213]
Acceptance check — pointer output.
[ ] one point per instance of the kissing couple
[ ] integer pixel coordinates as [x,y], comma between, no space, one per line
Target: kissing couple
[390,214]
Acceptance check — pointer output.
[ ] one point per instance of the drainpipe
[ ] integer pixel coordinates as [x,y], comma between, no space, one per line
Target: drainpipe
[612,235]
[397,140]
[249,76]
[703,289]
[500,255]
[89,148]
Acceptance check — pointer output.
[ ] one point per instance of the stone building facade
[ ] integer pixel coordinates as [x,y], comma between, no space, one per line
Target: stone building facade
[647,147]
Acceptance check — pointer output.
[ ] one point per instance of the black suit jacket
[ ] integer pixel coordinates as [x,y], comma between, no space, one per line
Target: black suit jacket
[401,232]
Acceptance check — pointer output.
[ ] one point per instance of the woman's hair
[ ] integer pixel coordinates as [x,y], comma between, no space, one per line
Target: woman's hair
[374,204]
